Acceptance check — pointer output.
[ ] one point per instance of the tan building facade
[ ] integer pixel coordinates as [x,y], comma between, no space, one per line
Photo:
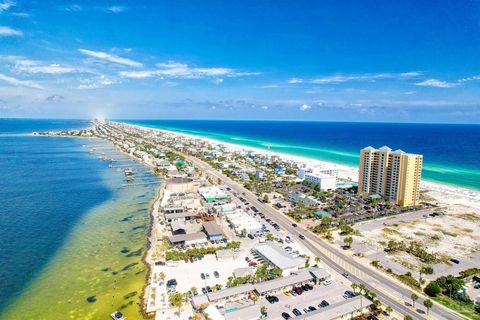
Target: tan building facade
[395,175]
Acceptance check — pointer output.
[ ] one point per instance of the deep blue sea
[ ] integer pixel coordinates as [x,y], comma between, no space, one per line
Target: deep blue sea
[451,152]
[46,185]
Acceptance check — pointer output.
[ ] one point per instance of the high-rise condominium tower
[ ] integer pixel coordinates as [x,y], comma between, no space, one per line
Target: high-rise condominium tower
[395,175]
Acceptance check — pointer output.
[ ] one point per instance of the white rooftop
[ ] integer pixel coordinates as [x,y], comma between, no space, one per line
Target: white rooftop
[278,256]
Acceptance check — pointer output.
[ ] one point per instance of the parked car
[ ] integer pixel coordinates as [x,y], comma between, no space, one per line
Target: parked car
[323,304]
[250,236]
[298,290]
[207,276]
[309,286]
[346,275]
[296,312]
[301,236]
[204,290]
[286,316]
[456,261]
[215,274]
[312,308]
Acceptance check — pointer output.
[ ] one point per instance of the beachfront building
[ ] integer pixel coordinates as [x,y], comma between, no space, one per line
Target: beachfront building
[212,194]
[395,175]
[324,181]
[277,257]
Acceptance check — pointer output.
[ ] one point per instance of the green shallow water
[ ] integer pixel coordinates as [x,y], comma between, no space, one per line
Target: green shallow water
[100,258]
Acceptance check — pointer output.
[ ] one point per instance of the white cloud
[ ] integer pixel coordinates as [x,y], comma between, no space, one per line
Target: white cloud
[20,83]
[436,83]
[172,69]
[72,8]
[264,107]
[110,58]
[217,81]
[116,9]
[95,83]
[9,32]
[305,107]
[20,14]
[339,78]
[5,5]
[22,65]
[474,78]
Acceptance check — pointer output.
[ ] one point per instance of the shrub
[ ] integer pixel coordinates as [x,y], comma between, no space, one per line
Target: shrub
[432,289]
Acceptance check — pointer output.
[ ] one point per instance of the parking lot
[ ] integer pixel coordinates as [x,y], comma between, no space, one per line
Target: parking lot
[332,293]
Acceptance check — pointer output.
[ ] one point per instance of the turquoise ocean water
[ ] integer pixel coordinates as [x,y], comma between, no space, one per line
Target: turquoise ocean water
[451,152]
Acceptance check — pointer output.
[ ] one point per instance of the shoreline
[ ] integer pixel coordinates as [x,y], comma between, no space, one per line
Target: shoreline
[345,172]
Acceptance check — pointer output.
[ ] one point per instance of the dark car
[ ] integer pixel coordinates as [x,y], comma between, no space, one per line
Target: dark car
[323,304]
[309,286]
[250,236]
[346,275]
[204,291]
[456,261]
[301,236]
[209,289]
[272,299]
[285,315]
[296,312]
[215,274]
[202,275]
[312,308]
[294,225]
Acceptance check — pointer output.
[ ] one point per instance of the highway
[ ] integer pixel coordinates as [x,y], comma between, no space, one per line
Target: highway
[388,291]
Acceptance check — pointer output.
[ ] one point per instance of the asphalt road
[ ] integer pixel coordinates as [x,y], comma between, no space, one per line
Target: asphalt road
[373,279]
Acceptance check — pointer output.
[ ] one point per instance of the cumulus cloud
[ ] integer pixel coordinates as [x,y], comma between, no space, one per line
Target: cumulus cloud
[435,83]
[9,32]
[305,107]
[110,58]
[20,83]
[173,69]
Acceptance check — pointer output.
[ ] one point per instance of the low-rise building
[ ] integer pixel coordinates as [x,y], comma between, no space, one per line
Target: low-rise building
[212,194]
[188,239]
[213,230]
[277,257]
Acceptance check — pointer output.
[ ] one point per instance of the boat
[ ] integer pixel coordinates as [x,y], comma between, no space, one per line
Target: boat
[128,172]
[117,315]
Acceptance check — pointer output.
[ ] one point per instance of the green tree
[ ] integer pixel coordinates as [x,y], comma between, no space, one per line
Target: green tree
[265,199]
[414,298]
[176,300]
[428,304]
[348,241]
[407,317]
[432,289]
[194,291]
[270,237]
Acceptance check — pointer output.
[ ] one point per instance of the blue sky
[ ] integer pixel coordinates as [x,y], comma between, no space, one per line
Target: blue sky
[405,61]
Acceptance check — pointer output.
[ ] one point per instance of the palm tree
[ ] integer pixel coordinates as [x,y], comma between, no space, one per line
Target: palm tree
[354,287]
[414,298]
[388,310]
[428,304]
